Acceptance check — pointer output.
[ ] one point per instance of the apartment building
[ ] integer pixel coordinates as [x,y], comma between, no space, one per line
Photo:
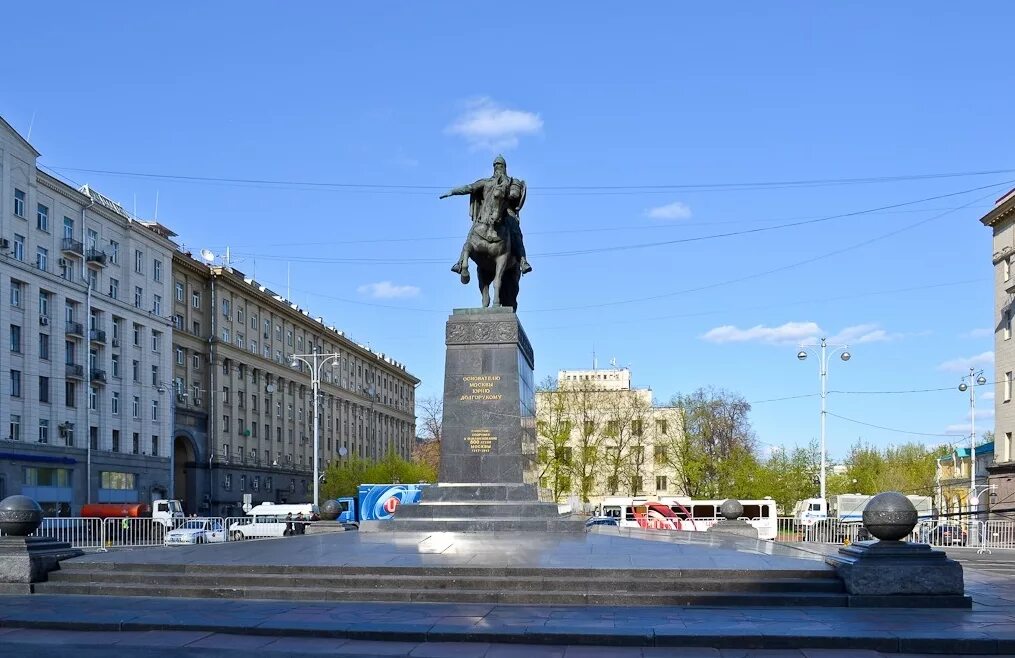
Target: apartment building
[1001,220]
[85,353]
[597,436]
[953,481]
[244,413]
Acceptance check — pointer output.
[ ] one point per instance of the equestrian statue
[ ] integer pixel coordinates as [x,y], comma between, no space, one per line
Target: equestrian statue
[495,241]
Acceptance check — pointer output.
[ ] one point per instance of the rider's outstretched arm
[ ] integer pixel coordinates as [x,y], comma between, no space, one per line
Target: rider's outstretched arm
[464,189]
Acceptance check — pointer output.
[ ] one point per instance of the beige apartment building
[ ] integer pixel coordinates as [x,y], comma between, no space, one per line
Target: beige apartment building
[244,415]
[1001,219]
[84,320]
[598,436]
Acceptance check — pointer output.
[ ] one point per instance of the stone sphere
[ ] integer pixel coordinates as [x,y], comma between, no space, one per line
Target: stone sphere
[330,509]
[20,516]
[731,509]
[890,516]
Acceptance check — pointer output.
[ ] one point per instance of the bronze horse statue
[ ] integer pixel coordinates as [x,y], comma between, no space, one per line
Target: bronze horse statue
[495,242]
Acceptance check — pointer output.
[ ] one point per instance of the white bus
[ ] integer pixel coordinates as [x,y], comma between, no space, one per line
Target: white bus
[681,513]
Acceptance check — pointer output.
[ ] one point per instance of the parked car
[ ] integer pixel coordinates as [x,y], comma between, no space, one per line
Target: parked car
[945,534]
[197,531]
[258,526]
[601,520]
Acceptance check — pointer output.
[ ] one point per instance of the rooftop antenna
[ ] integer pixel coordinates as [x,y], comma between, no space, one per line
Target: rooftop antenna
[208,255]
[613,362]
[595,364]
[227,256]
[288,290]
[31,124]
[135,205]
[156,205]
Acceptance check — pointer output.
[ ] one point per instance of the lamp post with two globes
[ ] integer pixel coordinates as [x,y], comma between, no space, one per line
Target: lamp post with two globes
[975,378]
[316,362]
[843,351]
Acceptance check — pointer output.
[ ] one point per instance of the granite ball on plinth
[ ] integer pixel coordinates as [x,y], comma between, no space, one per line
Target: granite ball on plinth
[890,516]
[731,509]
[20,516]
[330,510]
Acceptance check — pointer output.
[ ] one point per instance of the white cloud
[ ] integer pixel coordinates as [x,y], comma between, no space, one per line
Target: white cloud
[989,395]
[486,124]
[957,428]
[982,332]
[863,333]
[964,363]
[387,290]
[791,332]
[671,211]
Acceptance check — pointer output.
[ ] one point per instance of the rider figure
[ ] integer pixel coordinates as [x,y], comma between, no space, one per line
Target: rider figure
[494,198]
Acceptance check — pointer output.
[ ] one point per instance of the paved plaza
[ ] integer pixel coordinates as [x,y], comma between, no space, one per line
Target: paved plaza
[40,625]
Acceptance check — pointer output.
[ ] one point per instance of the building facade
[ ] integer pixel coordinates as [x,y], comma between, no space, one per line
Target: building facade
[84,315]
[244,413]
[1001,220]
[599,436]
[953,482]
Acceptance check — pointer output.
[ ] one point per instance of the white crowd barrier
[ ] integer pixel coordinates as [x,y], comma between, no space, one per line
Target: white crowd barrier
[942,533]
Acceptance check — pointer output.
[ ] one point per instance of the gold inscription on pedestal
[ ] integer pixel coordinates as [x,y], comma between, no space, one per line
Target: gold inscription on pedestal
[480,387]
[480,440]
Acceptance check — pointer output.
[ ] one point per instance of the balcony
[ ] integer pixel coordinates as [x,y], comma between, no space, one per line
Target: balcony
[73,247]
[98,376]
[97,336]
[75,329]
[96,257]
[75,371]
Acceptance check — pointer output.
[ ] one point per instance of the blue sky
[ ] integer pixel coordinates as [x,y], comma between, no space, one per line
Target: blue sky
[669,107]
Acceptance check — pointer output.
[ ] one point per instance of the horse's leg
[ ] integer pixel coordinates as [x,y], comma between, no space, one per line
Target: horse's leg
[484,283]
[498,276]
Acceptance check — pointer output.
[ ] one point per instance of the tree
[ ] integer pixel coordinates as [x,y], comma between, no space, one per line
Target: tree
[715,441]
[986,437]
[343,479]
[431,417]
[909,468]
[553,437]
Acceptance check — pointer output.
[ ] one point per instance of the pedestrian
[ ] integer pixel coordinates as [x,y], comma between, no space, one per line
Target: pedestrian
[300,527]
[288,525]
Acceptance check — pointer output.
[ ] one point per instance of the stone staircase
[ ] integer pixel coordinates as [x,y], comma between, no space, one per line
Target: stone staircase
[535,586]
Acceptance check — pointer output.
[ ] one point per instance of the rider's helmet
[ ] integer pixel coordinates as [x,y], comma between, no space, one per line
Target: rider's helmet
[499,160]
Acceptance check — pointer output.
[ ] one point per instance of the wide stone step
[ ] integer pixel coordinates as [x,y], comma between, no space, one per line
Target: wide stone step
[605,584]
[475,492]
[403,594]
[471,524]
[483,510]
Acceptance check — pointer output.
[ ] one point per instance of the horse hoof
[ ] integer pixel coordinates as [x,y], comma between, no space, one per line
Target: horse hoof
[465,277]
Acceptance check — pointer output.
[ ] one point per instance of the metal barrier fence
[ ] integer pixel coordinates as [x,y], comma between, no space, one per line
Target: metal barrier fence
[942,533]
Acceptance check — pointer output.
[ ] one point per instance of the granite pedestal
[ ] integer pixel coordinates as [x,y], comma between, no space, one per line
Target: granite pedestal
[488,442]
[27,560]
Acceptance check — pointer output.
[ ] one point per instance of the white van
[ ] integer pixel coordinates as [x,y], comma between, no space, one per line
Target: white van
[307,509]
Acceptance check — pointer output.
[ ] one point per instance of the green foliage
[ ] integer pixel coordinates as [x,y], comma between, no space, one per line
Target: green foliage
[344,478]
[909,468]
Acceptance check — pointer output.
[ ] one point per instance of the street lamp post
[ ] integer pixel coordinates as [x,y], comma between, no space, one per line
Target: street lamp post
[316,362]
[823,358]
[975,379]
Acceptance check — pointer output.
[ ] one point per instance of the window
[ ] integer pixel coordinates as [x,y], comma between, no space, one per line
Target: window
[1007,447]
[225,395]
[43,303]
[138,296]
[1007,324]
[137,335]
[135,366]
[116,440]
[114,252]
[16,288]
[179,291]
[289,338]
[43,430]
[1006,266]
[195,299]
[93,279]
[225,335]
[68,228]
[155,375]
[92,240]
[136,407]
[15,428]
[157,270]
[114,288]
[19,247]
[225,307]
[42,258]
[115,361]
[156,341]
[155,445]
[42,218]
[117,324]
[227,481]
[155,409]
[179,356]
[135,441]
[114,480]
[195,362]
[659,453]
[70,394]
[93,398]
[43,389]
[138,261]
[19,202]
[239,315]
[1007,386]
[44,346]
[15,338]
[243,483]
[195,328]
[157,304]
[612,427]
[636,483]
[115,403]
[636,426]
[660,483]
[47,477]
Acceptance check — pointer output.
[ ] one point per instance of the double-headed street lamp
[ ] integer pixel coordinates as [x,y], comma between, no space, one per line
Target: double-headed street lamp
[823,358]
[975,378]
[316,362]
